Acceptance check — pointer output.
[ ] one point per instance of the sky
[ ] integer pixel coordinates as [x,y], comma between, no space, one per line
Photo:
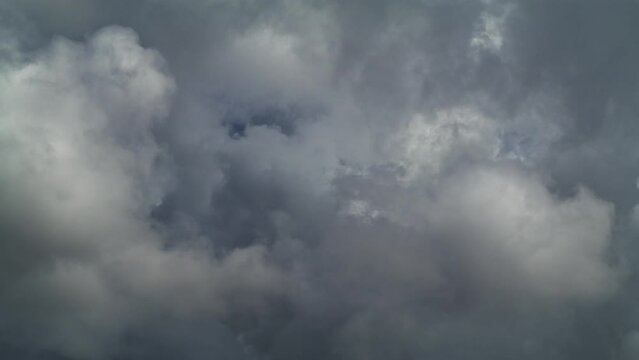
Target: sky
[319,180]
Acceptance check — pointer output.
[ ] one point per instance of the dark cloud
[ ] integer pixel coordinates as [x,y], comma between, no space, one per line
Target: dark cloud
[320,180]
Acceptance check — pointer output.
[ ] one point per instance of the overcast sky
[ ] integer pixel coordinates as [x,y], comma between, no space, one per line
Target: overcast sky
[319,180]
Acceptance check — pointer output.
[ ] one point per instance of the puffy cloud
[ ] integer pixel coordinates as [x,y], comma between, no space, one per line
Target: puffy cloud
[519,236]
[317,180]
[80,173]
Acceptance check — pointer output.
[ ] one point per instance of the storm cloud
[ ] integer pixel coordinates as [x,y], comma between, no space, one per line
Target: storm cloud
[207,179]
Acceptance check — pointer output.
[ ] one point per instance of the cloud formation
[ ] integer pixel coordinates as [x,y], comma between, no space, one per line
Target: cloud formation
[318,180]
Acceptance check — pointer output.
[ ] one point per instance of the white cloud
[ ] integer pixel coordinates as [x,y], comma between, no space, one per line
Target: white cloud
[430,142]
[79,176]
[515,235]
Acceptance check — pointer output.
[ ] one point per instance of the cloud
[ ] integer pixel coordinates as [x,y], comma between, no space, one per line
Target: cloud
[556,247]
[81,171]
[317,180]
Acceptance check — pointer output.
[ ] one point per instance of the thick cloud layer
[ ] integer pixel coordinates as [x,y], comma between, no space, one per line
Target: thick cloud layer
[318,180]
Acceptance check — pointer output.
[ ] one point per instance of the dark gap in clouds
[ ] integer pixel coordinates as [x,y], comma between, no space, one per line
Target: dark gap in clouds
[282,120]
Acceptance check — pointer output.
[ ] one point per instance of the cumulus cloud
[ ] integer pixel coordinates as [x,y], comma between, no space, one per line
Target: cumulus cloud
[556,248]
[318,180]
[81,172]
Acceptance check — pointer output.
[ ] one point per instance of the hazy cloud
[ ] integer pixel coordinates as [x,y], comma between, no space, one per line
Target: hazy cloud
[318,180]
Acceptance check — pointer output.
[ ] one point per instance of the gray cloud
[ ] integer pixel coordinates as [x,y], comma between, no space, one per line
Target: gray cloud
[80,174]
[318,180]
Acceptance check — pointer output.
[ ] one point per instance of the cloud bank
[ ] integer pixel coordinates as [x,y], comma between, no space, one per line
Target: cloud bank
[318,180]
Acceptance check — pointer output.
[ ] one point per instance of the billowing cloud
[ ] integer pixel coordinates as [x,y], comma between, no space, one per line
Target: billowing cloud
[81,172]
[318,180]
